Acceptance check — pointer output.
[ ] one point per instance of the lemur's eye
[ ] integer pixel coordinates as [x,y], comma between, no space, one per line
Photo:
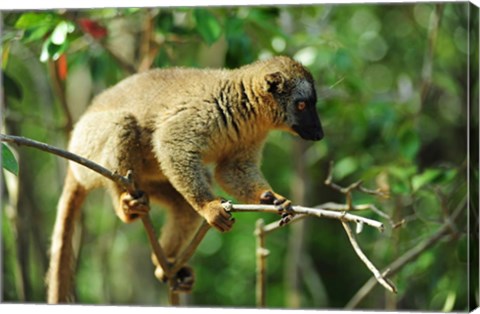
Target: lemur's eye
[301,105]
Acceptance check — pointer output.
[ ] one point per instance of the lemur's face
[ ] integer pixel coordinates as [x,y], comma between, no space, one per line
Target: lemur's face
[293,89]
[301,112]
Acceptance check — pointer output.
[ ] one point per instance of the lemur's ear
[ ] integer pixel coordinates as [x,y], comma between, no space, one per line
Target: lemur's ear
[275,82]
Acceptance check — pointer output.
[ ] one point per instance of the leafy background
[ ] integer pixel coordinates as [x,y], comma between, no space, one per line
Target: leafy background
[393,82]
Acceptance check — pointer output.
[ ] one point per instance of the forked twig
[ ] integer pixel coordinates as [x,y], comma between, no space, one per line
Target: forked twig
[354,186]
[327,210]
[388,285]
[409,256]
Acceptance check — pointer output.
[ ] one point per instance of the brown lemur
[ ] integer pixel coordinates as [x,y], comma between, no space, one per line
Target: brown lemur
[166,125]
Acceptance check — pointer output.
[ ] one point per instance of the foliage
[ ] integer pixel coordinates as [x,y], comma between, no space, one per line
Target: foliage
[393,89]
[8,160]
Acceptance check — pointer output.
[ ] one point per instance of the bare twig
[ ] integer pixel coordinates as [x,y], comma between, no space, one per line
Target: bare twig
[427,68]
[148,46]
[354,186]
[19,140]
[261,253]
[348,194]
[389,286]
[157,249]
[360,207]
[59,89]
[276,224]
[126,66]
[306,211]
[173,297]
[408,256]
[191,248]
[181,260]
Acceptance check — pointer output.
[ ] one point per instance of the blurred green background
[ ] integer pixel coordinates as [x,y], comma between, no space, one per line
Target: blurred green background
[393,85]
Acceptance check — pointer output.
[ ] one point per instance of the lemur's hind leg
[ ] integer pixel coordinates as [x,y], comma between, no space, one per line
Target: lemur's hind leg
[113,140]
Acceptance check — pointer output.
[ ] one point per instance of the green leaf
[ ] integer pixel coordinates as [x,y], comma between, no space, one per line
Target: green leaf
[410,143]
[36,33]
[37,25]
[437,176]
[8,160]
[426,177]
[207,26]
[5,54]
[400,178]
[33,19]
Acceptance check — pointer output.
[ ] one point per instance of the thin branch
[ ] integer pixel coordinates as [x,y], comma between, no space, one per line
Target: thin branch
[360,207]
[343,216]
[378,276]
[126,181]
[354,186]
[173,294]
[19,140]
[427,67]
[173,297]
[191,248]
[261,253]
[59,89]
[276,224]
[408,256]
[349,203]
[126,66]
[157,249]
[148,46]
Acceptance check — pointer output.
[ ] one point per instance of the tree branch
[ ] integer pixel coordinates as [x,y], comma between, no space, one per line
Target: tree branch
[148,46]
[125,181]
[407,257]
[191,248]
[319,212]
[19,140]
[261,254]
[378,276]
[59,90]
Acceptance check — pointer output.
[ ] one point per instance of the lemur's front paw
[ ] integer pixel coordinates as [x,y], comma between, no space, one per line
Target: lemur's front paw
[283,205]
[217,217]
[183,281]
[134,206]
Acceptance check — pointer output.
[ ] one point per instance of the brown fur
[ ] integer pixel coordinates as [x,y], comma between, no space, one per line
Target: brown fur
[165,125]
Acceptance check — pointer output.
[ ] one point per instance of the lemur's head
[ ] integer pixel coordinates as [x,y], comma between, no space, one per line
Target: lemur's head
[293,89]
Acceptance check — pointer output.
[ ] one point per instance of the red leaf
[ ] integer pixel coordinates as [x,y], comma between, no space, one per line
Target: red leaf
[62,68]
[93,28]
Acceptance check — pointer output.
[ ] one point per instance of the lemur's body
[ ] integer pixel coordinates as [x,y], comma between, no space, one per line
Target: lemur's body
[165,125]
